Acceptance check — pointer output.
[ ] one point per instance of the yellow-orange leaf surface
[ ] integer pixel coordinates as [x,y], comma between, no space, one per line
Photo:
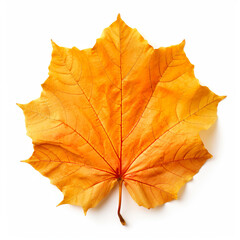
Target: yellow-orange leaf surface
[121,112]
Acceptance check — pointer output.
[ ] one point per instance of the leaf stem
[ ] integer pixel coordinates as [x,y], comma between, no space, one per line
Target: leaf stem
[120,201]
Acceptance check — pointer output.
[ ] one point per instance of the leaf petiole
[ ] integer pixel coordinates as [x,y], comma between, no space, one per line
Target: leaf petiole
[120,181]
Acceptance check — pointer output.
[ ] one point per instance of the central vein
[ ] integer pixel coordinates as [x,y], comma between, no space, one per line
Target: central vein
[120,64]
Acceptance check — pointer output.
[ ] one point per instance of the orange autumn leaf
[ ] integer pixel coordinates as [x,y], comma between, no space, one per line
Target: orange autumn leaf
[120,112]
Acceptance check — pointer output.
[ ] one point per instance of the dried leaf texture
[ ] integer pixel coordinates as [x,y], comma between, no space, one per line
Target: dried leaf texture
[120,112]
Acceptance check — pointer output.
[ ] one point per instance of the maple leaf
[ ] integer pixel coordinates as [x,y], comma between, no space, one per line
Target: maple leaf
[121,112]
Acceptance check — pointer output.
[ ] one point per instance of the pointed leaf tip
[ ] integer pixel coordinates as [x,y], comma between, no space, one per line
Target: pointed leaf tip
[223,97]
[182,44]
[54,45]
[119,16]
[24,161]
[20,105]
[61,203]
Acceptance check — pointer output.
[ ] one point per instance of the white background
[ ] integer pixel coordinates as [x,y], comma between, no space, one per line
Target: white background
[209,205]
